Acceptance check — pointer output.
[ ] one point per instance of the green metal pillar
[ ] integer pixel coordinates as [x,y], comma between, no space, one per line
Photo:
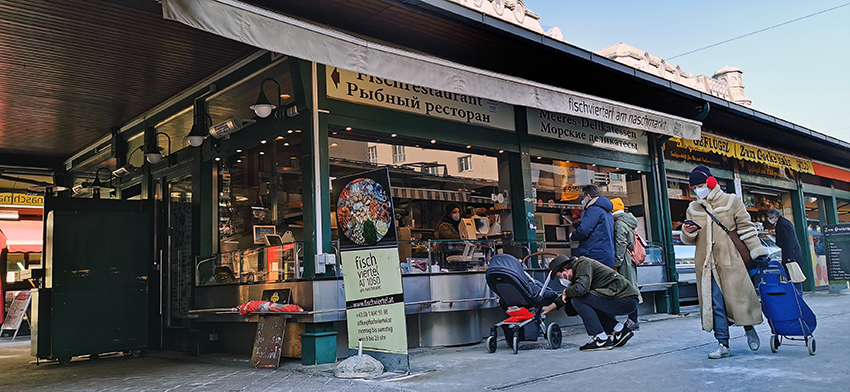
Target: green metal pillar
[318,342]
[521,186]
[661,221]
[831,209]
[801,226]
[317,227]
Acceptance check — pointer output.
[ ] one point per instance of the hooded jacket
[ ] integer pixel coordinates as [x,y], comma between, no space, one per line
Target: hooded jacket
[595,232]
[716,255]
[624,240]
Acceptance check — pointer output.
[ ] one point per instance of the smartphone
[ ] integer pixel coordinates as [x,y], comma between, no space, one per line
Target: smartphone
[687,222]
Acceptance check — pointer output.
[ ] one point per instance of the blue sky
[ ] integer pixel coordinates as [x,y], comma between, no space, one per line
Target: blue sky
[799,72]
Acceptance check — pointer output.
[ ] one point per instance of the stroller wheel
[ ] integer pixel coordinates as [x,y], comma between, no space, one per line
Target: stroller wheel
[553,334]
[516,345]
[491,344]
[810,344]
[775,341]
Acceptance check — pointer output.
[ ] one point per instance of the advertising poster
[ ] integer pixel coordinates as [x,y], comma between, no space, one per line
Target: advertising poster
[364,210]
[374,300]
[837,248]
[374,297]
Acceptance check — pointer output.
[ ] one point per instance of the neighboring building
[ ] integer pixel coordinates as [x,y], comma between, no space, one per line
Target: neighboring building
[726,83]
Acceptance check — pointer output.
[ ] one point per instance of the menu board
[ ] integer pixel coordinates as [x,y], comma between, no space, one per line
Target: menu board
[837,238]
[268,342]
[17,311]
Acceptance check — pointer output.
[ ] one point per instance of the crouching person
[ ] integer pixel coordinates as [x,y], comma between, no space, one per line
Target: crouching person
[597,294]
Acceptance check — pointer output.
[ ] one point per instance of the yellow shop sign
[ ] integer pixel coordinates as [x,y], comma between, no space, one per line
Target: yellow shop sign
[748,152]
[20,199]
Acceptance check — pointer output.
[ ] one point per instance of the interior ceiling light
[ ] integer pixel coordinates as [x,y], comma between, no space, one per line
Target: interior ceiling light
[263,108]
[433,141]
[263,141]
[284,96]
[501,151]
[347,128]
[393,135]
[239,151]
[279,138]
[289,131]
[468,146]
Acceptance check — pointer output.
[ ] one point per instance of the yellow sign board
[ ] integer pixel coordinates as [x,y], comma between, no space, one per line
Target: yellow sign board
[717,145]
[374,300]
[20,199]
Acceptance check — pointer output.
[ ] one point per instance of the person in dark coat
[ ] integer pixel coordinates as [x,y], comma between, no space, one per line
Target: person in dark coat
[448,228]
[595,230]
[786,239]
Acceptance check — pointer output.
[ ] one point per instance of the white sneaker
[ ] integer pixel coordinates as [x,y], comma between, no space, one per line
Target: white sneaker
[753,339]
[720,352]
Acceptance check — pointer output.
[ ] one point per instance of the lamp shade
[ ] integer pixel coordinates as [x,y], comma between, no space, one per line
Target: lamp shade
[196,136]
[263,108]
[153,157]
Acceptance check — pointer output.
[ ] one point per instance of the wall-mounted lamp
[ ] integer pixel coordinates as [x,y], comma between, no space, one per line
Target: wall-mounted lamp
[263,108]
[96,186]
[197,135]
[128,167]
[198,132]
[153,153]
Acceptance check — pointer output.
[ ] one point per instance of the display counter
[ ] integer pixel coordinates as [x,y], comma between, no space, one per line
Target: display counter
[444,308]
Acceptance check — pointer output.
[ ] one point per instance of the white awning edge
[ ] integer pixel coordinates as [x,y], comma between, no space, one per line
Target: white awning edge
[278,33]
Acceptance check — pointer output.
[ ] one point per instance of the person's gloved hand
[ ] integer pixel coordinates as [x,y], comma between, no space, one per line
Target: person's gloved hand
[762,261]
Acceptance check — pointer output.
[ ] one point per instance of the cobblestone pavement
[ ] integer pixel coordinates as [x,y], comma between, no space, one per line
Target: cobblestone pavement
[668,353]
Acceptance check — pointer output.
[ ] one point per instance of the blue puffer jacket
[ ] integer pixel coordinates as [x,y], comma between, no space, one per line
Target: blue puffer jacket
[595,232]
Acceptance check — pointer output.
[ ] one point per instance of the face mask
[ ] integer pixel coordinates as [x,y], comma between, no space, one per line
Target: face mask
[456,216]
[583,203]
[773,221]
[564,282]
[702,192]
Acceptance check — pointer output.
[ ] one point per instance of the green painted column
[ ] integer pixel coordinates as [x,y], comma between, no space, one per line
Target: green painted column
[318,342]
[831,209]
[316,221]
[521,186]
[798,205]
[662,224]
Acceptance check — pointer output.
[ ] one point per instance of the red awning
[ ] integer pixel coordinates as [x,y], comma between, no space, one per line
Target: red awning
[831,172]
[23,236]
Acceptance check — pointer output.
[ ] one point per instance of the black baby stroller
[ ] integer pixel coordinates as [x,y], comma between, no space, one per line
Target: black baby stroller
[507,278]
[788,315]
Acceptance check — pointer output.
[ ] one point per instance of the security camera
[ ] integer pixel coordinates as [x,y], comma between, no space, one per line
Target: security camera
[233,124]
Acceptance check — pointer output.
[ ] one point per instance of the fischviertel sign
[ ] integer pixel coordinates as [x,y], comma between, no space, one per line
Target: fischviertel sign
[587,131]
[718,145]
[369,90]
[20,199]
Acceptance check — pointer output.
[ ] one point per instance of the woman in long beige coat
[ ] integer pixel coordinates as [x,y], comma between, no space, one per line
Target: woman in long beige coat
[726,294]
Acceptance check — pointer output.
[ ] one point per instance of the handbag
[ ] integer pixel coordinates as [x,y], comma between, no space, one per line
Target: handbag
[749,263]
[795,272]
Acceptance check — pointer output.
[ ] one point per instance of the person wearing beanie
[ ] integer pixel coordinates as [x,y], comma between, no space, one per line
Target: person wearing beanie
[448,228]
[595,231]
[597,294]
[726,293]
[624,241]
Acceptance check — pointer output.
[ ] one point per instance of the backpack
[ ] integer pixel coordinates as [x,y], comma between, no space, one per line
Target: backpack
[638,251]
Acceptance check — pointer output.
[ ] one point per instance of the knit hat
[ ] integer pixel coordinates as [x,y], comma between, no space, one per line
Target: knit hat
[699,175]
[451,207]
[618,204]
